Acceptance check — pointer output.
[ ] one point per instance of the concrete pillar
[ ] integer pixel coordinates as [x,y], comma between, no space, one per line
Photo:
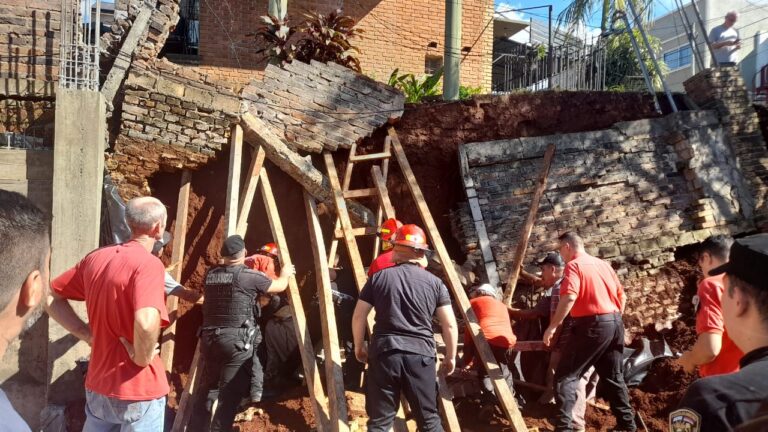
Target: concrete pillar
[452,55]
[278,8]
[78,172]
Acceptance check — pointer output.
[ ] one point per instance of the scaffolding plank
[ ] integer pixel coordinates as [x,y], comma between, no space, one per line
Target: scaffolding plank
[360,193]
[381,188]
[191,388]
[233,180]
[246,198]
[503,392]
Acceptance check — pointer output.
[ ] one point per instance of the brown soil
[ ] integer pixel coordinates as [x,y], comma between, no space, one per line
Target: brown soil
[762,114]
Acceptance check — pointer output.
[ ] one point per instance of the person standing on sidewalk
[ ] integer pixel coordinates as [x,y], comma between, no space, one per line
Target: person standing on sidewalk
[126,384]
[593,296]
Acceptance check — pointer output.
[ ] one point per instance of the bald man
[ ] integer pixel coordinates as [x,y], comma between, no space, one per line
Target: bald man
[121,285]
[725,41]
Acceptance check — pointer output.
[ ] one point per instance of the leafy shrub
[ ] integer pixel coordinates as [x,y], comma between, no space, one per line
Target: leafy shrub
[276,35]
[466,92]
[415,89]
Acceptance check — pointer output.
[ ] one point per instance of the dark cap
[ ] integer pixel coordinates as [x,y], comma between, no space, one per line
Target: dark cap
[159,244]
[748,260]
[232,245]
[553,258]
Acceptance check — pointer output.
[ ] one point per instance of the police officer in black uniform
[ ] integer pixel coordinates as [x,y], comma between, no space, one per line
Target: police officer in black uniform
[229,334]
[723,402]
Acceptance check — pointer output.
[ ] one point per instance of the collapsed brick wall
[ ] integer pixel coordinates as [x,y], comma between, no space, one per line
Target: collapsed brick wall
[30,39]
[635,192]
[32,118]
[397,35]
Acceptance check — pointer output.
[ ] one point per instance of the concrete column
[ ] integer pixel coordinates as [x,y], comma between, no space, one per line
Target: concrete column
[78,172]
[278,8]
[452,55]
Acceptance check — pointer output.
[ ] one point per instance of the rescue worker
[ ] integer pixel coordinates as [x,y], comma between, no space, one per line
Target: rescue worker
[714,352]
[402,357]
[172,286]
[493,317]
[265,260]
[592,294]
[385,232]
[723,402]
[229,333]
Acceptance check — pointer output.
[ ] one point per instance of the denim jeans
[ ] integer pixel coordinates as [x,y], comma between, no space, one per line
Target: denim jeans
[106,414]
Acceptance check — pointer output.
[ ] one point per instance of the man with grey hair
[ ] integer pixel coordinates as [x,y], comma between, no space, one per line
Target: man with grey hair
[725,41]
[121,285]
[26,255]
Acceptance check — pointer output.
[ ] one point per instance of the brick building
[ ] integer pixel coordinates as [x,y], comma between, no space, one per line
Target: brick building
[404,34]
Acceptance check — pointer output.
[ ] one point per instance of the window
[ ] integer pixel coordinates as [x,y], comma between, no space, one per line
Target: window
[678,58]
[432,63]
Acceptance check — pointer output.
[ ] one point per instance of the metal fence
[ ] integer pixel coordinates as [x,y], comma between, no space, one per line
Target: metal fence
[79,50]
[566,67]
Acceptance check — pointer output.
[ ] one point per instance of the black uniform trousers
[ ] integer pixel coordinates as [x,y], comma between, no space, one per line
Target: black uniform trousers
[595,341]
[228,354]
[392,373]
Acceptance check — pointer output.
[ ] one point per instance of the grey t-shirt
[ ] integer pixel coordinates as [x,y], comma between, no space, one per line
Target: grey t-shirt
[405,298]
[726,54]
[10,420]
[171,285]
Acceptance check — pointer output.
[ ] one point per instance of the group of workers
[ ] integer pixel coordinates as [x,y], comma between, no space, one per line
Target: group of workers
[126,384]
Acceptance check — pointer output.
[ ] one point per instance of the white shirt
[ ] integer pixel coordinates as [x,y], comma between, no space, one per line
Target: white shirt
[726,54]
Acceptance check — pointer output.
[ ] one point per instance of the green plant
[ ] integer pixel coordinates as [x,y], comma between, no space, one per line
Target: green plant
[276,35]
[579,11]
[622,62]
[415,89]
[466,92]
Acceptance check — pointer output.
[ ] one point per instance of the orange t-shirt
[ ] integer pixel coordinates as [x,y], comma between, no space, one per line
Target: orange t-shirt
[381,262]
[493,317]
[263,264]
[595,284]
[709,319]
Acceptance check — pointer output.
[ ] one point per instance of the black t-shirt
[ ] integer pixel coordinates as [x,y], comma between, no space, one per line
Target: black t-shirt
[405,298]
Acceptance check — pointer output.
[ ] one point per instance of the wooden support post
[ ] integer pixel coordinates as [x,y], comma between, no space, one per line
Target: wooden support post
[344,186]
[379,209]
[381,188]
[503,392]
[191,390]
[525,232]
[246,198]
[311,373]
[333,373]
[445,398]
[233,182]
[177,260]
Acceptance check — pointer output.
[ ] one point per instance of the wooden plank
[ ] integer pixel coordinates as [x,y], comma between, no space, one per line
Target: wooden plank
[344,187]
[379,209]
[311,372]
[233,180]
[333,373]
[525,232]
[246,198]
[360,193]
[381,188]
[533,345]
[503,392]
[186,402]
[369,157]
[357,232]
[167,342]
[445,399]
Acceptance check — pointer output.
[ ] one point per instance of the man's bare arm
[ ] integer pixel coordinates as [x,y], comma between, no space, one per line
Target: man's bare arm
[706,348]
[146,331]
[450,334]
[563,309]
[61,311]
[280,284]
[189,295]
[359,322]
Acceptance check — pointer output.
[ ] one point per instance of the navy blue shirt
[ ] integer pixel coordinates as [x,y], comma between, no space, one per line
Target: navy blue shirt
[405,298]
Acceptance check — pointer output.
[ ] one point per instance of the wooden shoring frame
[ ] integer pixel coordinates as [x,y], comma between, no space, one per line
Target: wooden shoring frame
[503,392]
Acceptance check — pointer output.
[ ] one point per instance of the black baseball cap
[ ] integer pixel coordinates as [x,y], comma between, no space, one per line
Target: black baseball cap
[232,245]
[748,261]
[553,258]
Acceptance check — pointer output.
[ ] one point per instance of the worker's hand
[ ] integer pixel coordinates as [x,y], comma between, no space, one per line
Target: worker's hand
[685,362]
[288,270]
[447,366]
[549,334]
[361,352]
[132,353]
[264,300]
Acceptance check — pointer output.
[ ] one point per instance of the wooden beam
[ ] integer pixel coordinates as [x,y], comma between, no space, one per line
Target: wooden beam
[381,188]
[360,193]
[344,187]
[168,342]
[246,198]
[445,398]
[333,373]
[233,180]
[357,232]
[186,402]
[533,345]
[311,372]
[525,232]
[369,157]
[503,392]
[379,209]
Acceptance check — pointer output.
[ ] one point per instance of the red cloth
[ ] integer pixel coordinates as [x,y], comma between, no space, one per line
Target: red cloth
[595,284]
[114,282]
[263,264]
[381,262]
[493,317]
[709,319]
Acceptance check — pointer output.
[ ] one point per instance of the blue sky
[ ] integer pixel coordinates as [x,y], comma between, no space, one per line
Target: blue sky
[660,7]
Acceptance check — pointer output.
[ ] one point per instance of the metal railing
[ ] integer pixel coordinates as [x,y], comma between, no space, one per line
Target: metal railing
[576,66]
[79,50]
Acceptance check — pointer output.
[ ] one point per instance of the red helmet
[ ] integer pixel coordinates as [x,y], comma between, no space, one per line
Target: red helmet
[389,228]
[412,236]
[270,249]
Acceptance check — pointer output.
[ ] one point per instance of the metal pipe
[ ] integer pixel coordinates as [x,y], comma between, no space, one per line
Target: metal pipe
[549,49]
[704,33]
[451,78]
[689,32]
[653,56]
[640,60]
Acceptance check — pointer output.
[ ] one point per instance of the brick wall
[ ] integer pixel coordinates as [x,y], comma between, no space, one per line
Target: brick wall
[635,192]
[29,39]
[397,33]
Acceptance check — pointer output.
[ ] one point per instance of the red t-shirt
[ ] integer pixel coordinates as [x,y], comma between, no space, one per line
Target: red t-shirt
[114,282]
[493,317]
[381,262]
[595,284]
[709,319]
[263,264]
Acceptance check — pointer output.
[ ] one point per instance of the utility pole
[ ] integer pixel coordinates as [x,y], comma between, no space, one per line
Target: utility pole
[278,8]
[452,53]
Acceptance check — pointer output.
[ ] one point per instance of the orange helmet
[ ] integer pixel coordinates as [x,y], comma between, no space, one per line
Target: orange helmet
[412,236]
[389,228]
[270,249]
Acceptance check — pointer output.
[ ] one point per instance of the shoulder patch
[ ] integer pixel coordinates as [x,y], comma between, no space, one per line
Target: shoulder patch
[684,420]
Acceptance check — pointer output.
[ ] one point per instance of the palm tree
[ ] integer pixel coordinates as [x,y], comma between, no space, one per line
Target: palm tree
[580,11]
